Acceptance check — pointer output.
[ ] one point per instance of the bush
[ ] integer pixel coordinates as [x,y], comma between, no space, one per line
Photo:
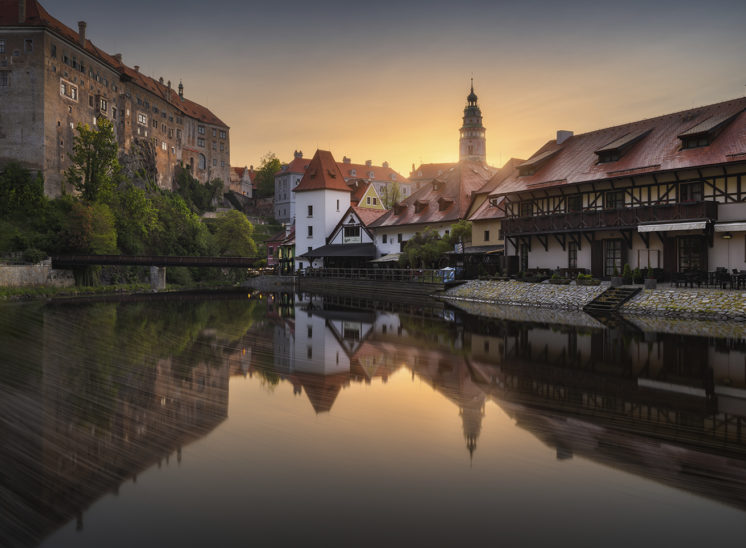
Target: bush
[33,255]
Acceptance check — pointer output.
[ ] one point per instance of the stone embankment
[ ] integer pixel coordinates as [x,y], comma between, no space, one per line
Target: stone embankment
[567,297]
[700,304]
[35,275]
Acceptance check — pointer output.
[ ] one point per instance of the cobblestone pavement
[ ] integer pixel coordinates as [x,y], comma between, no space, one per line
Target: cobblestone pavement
[708,304]
[567,297]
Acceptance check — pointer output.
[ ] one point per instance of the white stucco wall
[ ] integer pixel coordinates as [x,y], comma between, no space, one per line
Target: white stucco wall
[328,208]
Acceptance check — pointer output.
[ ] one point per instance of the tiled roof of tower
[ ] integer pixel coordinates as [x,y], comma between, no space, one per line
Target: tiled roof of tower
[363,171]
[446,199]
[37,16]
[658,149]
[322,174]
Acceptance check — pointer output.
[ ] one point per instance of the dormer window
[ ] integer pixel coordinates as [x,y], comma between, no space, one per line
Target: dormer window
[399,209]
[532,165]
[353,172]
[444,203]
[705,132]
[420,205]
[619,147]
[371,174]
[437,185]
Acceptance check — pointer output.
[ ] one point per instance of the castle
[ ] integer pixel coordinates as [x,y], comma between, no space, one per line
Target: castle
[53,78]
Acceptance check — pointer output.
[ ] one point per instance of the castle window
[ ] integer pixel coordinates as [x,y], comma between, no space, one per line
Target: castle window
[200,142]
[155,123]
[28,45]
[52,52]
[114,112]
[68,90]
[222,147]
[164,146]
[202,161]
[2,48]
[214,162]
[103,105]
[90,101]
[214,146]
[142,119]
[222,134]
[4,78]
[201,130]
[214,132]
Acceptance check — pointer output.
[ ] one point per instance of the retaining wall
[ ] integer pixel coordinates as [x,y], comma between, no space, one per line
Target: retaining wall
[38,274]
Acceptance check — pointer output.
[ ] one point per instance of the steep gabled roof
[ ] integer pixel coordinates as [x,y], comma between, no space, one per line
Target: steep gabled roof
[427,172]
[322,174]
[445,199]
[362,171]
[37,16]
[298,165]
[492,209]
[647,146]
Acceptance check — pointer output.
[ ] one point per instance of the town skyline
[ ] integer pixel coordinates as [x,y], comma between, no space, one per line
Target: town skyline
[389,83]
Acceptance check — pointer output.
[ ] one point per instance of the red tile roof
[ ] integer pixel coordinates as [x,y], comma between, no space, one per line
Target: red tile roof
[429,171]
[363,171]
[659,149]
[368,215]
[453,190]
[486,210]
[298,165]
[37,16]
[322,174]
[359,187]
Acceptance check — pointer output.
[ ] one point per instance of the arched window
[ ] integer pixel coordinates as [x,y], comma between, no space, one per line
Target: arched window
[202,161]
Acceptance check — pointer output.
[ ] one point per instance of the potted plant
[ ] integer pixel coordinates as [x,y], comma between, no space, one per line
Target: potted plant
[637,275]
[627,274]
[616,279]
[650,281]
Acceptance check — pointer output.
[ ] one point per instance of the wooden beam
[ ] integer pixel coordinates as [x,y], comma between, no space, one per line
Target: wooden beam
[627,236]
[589,236]
[661,236]
[543,240]
[645,237]
[562,240]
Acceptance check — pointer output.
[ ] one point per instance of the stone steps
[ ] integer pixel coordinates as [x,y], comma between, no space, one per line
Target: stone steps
[611,300]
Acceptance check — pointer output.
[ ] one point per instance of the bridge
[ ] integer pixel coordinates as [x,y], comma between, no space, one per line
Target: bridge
[157,263]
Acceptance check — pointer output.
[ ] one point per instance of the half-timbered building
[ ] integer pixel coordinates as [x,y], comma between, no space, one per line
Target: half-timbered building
[667,193]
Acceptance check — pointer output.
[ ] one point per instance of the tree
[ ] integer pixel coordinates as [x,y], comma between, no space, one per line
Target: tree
[199,197]
[233,235]
[424,249]
[20,191]
[391,195]
[266,175]
[89,229]
[94,166]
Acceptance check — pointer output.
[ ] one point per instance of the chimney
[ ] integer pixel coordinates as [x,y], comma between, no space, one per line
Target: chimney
[386,165]
[563,135]
[160,79]
[21,11]
[81,32]
[346,160]
[368,163]
[118,57]
[181,90]
[298,154]
[137,68]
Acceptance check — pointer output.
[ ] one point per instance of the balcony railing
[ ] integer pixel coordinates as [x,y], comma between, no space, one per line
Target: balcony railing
[630,217]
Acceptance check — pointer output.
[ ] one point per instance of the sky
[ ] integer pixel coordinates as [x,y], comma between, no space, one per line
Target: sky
[388,80]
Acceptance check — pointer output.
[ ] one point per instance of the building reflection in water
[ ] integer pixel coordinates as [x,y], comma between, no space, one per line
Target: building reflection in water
[661,405]
[95,404]
[114,389]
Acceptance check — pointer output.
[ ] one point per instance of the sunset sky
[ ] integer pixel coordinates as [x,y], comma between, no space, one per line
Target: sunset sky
[388,80]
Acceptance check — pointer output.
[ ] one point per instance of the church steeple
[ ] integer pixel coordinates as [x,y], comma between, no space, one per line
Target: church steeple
[472,144]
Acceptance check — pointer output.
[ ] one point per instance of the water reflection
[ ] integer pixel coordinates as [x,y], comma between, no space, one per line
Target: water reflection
[92,395]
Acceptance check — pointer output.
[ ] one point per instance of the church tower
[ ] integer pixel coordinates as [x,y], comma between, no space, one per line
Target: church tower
[472,144]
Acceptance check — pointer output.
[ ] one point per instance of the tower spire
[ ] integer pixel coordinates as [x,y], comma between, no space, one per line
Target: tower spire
[472,144]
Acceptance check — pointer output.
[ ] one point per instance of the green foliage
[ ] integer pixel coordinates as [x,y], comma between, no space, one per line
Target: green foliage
[20,192]
[233,233]
[179,231]
[95,167]
[198,197]
[89,229]
[266,175]
[391,195]
[459,232]
[136,219]
[626,272]
[649,274]
[33,255]
[424,249]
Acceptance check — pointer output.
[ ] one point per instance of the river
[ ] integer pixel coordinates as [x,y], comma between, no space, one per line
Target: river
[235,419]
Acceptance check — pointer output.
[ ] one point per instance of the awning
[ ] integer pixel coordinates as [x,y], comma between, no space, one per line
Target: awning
[341,250]
[668,227]
[390,258]
[478,250]
[730,227]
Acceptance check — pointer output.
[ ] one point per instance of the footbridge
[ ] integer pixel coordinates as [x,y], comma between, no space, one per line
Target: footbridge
[157,263]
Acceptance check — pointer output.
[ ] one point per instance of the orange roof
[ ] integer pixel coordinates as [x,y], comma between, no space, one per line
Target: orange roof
[648,146]
[367,215]
[37,16]
[446,199]
[322,174]
[486,210]
[363,171]
[429,171]
[359,187]
[298,165]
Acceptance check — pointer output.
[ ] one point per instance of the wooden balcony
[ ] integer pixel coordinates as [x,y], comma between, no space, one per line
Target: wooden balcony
[619,219]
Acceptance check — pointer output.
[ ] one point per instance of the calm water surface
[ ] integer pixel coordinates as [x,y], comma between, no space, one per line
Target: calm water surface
[281,420]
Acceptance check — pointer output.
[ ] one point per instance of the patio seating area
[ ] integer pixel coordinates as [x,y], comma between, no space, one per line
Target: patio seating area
[718,278]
